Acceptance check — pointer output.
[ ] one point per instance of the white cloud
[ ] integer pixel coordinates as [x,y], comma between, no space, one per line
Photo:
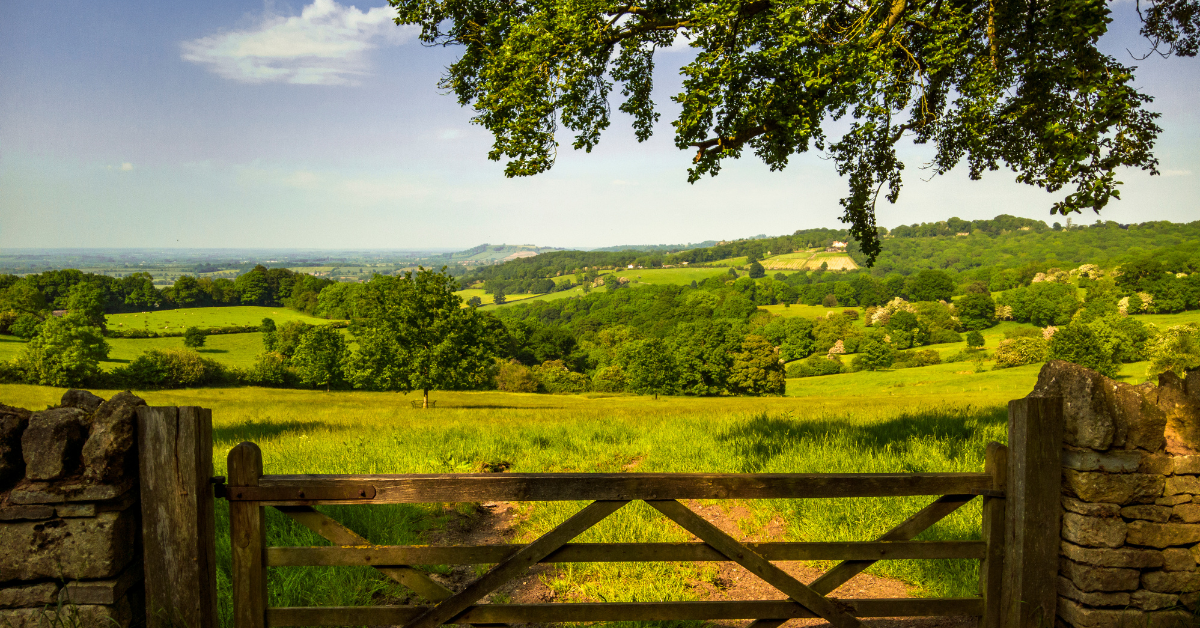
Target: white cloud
[1176,173]
[325,45]
[126,167]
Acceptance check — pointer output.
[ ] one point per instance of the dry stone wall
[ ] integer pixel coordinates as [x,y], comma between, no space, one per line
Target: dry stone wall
[69,524]
[1131,499]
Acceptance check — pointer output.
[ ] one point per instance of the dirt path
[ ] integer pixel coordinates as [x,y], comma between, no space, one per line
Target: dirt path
[496,522]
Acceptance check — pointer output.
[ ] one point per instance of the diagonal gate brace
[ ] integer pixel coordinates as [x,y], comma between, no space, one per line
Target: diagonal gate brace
[755,563]
[514,565]
[910,528]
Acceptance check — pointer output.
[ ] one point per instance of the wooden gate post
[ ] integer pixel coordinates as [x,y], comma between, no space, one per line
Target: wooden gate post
[991,571]
[1033,511]
[248,531]
[178,530]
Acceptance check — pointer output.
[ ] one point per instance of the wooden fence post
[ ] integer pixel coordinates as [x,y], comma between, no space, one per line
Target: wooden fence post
[248,531]
[1032,512]
[178,529]
[991,571]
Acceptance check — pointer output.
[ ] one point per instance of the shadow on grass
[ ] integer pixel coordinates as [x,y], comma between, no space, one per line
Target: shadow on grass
[115,360]
[212,351]
[255,430]
[763,438]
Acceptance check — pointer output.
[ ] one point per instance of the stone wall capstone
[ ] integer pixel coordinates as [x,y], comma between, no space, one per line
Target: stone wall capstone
[1131,499]
[69,526]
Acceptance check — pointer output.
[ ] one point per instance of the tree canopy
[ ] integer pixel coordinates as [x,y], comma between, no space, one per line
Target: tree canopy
[996,83]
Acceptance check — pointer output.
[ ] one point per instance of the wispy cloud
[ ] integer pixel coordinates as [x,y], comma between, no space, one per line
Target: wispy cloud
[325,45]
[1176,173]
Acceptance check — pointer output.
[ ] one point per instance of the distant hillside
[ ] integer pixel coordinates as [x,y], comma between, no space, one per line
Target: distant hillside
[656,248]
[496,253]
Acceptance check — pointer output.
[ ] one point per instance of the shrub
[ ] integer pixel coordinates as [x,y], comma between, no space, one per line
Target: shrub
[814,366]
[270,369]
[1091,345]
[943,336]
[850,314]
[876,355]
[829,301]
[1177,349]
[914,359]
[556,378]
[65,352]
[516,377]
[1020,351]
[170,368]
[609,379]
[975,340]
[966,355]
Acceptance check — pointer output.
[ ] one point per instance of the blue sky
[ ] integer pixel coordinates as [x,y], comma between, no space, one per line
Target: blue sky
[319,124]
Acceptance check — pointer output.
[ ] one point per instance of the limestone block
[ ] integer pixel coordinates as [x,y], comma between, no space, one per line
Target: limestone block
[82,399]
[84,615]
[1117,461]
[1099,413]
[103,591]
[1121,557]
[1182,484]
[1081,616]
[1067,589]
[25,513]
[1187,513]
[1091,509]
[71,490]
[1178,559]
[1173,500]
[51,443]
[1160,464]
[13,422]
[1171,581]
[1093,531]
[1151,601]
[70,549]
[1180,405]
[1124,488]
[1092,578]
[1147,512]
[28,596]
[1173,618]
[1162,534]
[1185,465]
[109,453]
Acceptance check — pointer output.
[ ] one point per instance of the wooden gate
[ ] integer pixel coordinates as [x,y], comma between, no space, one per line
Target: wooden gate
[249,492]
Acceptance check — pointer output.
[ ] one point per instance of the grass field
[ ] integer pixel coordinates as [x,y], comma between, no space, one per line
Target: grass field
[821,428]
[677,276]
[203,317]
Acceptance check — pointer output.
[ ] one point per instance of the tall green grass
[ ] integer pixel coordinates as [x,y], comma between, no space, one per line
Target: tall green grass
[356,432]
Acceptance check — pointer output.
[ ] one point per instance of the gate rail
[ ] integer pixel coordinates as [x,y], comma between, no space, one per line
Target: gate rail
[249,492]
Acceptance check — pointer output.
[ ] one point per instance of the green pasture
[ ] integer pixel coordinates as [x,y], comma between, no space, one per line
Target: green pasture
[819,429]
[203,317]
[676,276]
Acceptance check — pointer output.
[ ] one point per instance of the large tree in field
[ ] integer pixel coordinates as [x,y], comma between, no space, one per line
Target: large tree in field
[993,83]
[416,335]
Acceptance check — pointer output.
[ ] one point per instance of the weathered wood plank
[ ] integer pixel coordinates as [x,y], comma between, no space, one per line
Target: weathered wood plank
[911,527]
[419,488]
[754,563]
[248,533]
[1033,512]
[382,555]
[338,534]
[991,571]
[525,558]
[178,526]
[638,611]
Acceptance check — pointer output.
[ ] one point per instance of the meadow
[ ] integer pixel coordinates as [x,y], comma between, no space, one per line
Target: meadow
[829,425]
[205,317]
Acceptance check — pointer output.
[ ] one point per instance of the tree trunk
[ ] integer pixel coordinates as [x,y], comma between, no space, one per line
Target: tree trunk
[425,399]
